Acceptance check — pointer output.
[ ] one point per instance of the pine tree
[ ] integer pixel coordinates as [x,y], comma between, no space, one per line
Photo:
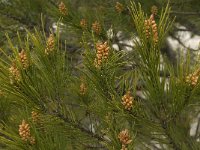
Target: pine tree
[50,103]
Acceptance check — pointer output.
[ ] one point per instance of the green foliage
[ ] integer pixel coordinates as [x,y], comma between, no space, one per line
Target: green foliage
[83,107]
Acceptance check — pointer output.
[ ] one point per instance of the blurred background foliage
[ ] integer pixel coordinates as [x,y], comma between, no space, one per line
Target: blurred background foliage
[18,15]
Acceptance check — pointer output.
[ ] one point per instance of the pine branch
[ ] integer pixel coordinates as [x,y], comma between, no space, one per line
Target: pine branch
[79,127]
[164,125]
[192,27]
[20,20]
[197,128]
[181,43]
[184,13]
[93,147]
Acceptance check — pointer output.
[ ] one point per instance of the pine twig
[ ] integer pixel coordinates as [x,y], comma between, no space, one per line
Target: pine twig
[82,129]
[166,131]
[184,13]
[182,44]
[197,129]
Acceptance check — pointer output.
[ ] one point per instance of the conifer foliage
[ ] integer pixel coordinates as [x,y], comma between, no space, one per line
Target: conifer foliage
[53,105]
